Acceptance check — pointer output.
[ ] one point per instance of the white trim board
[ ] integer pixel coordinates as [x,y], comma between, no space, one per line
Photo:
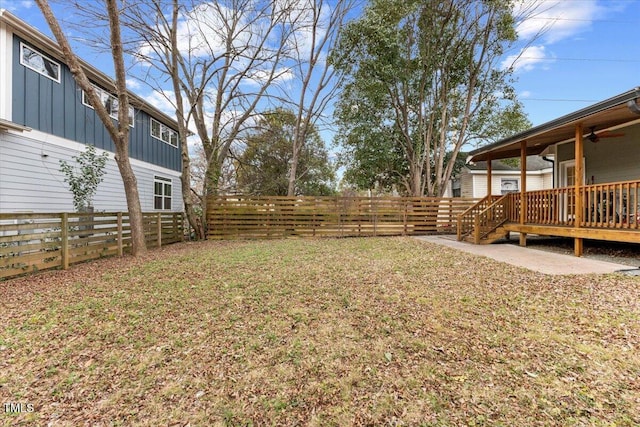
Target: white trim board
[47,138]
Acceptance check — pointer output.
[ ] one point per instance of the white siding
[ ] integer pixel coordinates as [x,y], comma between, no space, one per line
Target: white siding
[480,185]
[475,184]
[31,181]
[466,185]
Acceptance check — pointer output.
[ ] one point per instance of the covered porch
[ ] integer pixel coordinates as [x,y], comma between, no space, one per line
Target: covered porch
[579,209]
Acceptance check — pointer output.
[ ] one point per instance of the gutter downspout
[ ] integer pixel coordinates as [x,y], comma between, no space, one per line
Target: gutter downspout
[553,170]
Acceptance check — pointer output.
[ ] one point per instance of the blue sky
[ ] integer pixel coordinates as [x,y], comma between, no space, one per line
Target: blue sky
[588,54]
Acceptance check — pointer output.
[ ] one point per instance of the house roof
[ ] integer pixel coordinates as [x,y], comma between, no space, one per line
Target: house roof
[534,163]
[614,113]
[50,47]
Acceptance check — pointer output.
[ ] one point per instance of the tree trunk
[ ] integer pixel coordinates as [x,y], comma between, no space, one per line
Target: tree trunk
[120,133]
[138,244]
[195,222]
[291,190]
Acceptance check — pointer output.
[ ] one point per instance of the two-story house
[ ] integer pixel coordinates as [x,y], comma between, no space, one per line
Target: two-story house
[45,118]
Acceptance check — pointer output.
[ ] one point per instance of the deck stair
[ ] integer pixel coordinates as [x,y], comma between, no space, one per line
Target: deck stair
[493,236]
[483,222]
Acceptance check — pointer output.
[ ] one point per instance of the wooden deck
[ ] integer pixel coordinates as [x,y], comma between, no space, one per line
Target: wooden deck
[608,211]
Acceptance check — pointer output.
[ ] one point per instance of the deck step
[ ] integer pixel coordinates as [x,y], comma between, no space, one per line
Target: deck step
[497,234]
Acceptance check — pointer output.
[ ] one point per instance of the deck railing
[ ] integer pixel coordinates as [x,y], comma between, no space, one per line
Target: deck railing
[466,220]
[491,217]
[610,205]
[554,206]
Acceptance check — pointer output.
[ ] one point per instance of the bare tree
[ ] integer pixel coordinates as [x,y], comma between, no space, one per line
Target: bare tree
[316,26]
[119,132]
[221,57]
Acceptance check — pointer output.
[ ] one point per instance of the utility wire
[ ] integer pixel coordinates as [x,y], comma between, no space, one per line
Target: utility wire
[556,100]
[581,20]
[542,58]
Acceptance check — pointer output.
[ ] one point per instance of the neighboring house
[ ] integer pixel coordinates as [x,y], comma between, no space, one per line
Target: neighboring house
[471,181]
[596,192]
[44,117]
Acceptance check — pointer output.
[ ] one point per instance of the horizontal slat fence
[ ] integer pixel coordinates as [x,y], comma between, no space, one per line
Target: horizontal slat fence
[34,242]
[245,217]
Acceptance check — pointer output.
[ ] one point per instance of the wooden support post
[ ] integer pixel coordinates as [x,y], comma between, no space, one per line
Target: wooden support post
[64,237]
[159,225]
[523,190]
[579,173]
[489,189]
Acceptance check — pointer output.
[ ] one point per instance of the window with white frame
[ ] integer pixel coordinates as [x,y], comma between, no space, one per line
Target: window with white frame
[164,133]
[162,193]
[508,185]
[109,101]
[31,58]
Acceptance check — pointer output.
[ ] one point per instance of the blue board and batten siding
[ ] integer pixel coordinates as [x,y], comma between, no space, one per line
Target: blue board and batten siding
[56,108]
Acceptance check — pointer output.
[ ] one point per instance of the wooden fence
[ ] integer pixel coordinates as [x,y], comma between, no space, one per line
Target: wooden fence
[240,217]
[33,242]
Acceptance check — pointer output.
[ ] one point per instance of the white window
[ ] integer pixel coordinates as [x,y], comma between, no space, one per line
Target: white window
[508,185]
[109,101]
[31,58]
[161,193]
[164,133]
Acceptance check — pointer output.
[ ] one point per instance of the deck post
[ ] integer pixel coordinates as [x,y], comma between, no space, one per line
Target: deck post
[489,190]
[523,190]
[579,173]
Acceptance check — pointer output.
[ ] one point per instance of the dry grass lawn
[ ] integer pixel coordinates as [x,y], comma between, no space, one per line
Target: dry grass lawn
[377,331]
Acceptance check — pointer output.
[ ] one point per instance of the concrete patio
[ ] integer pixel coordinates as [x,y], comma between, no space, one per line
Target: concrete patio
[532,259]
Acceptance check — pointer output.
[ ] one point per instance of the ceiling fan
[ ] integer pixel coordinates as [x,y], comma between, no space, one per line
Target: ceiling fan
[595,137]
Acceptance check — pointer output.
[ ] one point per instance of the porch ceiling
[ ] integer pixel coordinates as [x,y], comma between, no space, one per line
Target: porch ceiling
[613,113]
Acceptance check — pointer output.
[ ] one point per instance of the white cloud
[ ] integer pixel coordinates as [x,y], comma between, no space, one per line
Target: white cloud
[260,77]
[14,6]
[555,21]
[204,31]
[541,24]
[308,22]
[163,101]
[133,84]
[527,59]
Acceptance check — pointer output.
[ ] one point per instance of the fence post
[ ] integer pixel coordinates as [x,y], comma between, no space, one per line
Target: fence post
[64,234]
[159,229]
[404,218]
[374,213]
[176,232]
[120,247]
